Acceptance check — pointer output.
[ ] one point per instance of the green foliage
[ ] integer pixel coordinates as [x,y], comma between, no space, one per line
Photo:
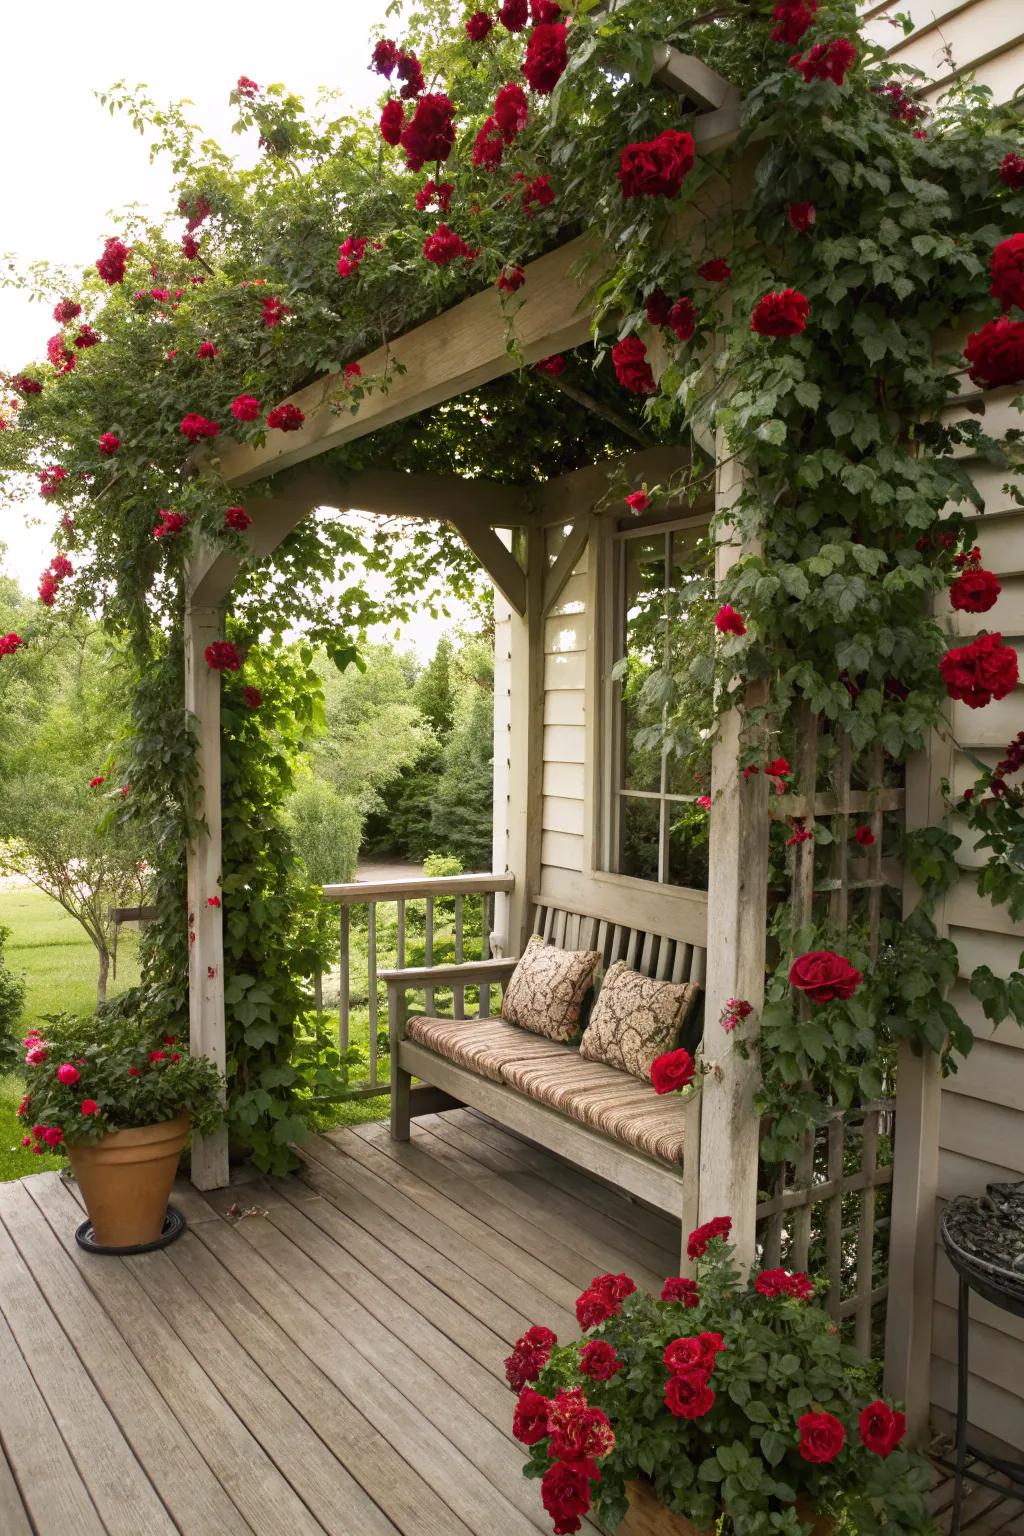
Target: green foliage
[462,813]
[325,827]
[739,1462]
[12,1001]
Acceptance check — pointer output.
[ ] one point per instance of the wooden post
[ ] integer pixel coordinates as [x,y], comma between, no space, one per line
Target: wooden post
[206,936]
[737,920]
[524,745]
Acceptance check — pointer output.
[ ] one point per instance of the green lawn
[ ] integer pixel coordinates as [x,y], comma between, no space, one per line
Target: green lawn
[58,962]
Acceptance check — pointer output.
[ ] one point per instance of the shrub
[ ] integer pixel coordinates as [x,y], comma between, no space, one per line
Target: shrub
[12,1001]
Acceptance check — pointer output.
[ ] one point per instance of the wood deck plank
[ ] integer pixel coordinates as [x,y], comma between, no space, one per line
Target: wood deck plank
[188,1487]
[122,1493]
[13,1516]
[264,1498]
[431,1451]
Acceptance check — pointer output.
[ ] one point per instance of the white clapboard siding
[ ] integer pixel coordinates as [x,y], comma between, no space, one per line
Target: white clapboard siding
[565,634]
[953,38]
[565,706]
[562,815]
[566,663]
[565,780]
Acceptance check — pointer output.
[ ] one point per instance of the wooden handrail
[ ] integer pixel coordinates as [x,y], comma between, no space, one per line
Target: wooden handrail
[356,892]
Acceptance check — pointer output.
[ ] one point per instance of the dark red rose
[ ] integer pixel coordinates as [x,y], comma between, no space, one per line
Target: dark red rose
[881,1428]
[529,1357]
[245,408]
[774,1283]
[479,26]
[411,71]
[700,1237]
[780,314]
[975,590]
[193,426]
[672,1072]
[430,134]
[544,10]
[659,307]
[489,145]
[977,673]
[514,14]
[445,246]
[729,621]
[599,1361]
[565,1494]
[554,366]
[1011,172]
[26,386]
[822,976]
[66,310]
[683,1355]
[682,319]
[237,518]
[594,1308]
[678,1288]
[432,191]
[246,87]
[512,110]
[384,58]
[112,263]
[822,1436]
[86,337]
[392,121]
[826,61]
[996,353]
[615,1287]
[633,371]
[688,1395]
[546,57]
[530,1419]
[802,216]
[656,167]
[252,698]
[511,279]
[1008,272]
[539,191]
[715,271]
[792,17]
[221,656]
[285,418]
[578,1432]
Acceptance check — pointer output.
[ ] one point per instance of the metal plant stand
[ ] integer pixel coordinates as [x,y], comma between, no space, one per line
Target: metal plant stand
[984,1241]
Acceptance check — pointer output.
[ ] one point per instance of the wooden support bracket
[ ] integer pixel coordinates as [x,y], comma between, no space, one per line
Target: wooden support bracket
[502,567]
[568,558]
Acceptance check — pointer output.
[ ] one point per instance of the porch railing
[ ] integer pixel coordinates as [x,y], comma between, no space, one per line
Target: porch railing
[393,924]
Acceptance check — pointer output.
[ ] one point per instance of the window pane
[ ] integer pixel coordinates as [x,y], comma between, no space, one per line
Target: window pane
[644,632]
[688,846]
[639,833]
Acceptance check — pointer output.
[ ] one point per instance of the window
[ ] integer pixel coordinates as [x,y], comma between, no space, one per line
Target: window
[653,828]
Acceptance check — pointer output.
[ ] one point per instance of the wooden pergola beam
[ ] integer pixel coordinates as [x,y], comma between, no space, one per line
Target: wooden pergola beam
[395,493]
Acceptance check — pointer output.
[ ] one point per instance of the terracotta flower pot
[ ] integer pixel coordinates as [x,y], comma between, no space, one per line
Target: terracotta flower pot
[647,1517]
[126,1180]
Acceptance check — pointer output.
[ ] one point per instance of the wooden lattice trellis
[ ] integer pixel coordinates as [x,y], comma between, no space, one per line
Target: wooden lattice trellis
[825,1211]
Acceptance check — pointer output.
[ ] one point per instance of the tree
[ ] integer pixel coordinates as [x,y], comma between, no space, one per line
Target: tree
[326,827]
[462,815]
[12,1001]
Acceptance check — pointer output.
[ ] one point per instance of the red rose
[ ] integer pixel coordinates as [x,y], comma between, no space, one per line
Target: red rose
[53,1136]
[715,271]
[530,1419]
[237,518]
[170,523]
[780,314]
[489,145]
[779,1282]
[546,57]
[977,673]
[822,1436]
[511,110]
[826,61]
[544,10]
[62,358]
[682,319]
[384,57]
[802,216]
[565,1494]
[996,353]
[392,121]
[350,254]
[66,311]
[865,837]
[26,386]
[615,1287]
[688,1395]
[712,1345]
[112,263]
[638,501]
[411,71]
[729,622]
[90,1107]
[656,167]
[578,1432]
[881,1428]
[445,246]
[599,1361]
[1011,172]
[1008,272]
[10,643]
[539,191]
[678,1288]
[245,408]
[700,1237]
[511,279]
[207,349]
[793,18]
[529,1357]
[683,1355]
[193,426]
[351,371]
[252,698]
[672,1072]
[633,371]
[975,590]
[822,976]
[479,26]
[285,418]
[221,656]
[513,15]
[109,443]
[659,307]
[430,134]
[593,1308]
[553,366]
[86,337]
[246,87]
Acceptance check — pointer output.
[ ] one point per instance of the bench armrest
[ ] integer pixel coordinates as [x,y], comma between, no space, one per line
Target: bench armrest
[464,974]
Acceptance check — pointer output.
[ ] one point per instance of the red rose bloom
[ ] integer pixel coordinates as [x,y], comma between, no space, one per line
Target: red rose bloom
[511,279]
[554,366]
[593,1308]
[881,1428]
[246,87]
[996,353]
[826,61]
[529,1357]
[86,337]
[170,523]
[656,167]
[688,1395]
[539,191]
[565,1494]
[530,1418]
[384,57]
[780,314]
[700,1237]
[350,254]
[411,71]
[392,121]
[975,590]
[513,15]
[715,271]
[112,263]
[479,26]
[207,349]
[579,1433]
[802,216]
[822,1436]
[489,146]
[109,443]
[245,408]
[1008,272]
[53,1136]
[430,134]
[682,319]
[728,621]
[678,1288]
[638,501]
[779,1282]
[10,643]
[599,1361]
[544,10]
[546,57]
[62,358]
[865,837]
[511,110]
[237,518]
[985,669]
[189,247]
[659,307]
[633,371]
[683,1355]
[285,418]
[1011,172]
[90,1107]
[793,17]
[221,656]
[94,783]
[252,698]
[351,371]
[26,386]
[193,426]
[445,246]
[66,310]
[672,1072]
[274,311]
[822,976]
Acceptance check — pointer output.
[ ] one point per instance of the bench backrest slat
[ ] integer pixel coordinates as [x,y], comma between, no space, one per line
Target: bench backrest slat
[663,956]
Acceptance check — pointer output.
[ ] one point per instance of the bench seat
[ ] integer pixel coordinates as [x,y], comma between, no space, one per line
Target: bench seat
[549,1072]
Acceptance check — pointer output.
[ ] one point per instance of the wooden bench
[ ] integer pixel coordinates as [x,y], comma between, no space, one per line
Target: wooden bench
[468,1061]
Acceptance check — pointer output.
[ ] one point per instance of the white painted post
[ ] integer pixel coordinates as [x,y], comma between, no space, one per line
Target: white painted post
[737,920]
[524,746]
[206,936]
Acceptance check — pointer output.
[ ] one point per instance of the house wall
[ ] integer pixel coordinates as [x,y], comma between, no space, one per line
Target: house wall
[953,38]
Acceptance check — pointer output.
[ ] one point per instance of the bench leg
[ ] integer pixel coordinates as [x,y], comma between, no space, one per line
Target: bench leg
[691,1181]
[401,1117]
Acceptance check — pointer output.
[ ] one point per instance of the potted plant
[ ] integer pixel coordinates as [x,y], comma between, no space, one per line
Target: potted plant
[121,1098]
[722,1408]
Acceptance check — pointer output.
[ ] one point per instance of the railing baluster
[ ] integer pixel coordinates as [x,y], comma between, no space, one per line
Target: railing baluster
[458,993]
[429,955]
[344,979]
[371,983]
[401,932]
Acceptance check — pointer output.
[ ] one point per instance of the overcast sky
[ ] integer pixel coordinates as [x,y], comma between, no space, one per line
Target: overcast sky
[67,165]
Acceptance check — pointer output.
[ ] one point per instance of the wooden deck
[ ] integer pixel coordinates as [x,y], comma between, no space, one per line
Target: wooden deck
[325,1361]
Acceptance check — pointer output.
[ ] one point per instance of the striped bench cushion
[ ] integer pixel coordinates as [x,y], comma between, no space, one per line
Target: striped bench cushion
[618,1105]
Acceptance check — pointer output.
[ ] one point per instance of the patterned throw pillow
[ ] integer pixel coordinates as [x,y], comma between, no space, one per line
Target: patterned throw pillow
[547,989]
[635,1019]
